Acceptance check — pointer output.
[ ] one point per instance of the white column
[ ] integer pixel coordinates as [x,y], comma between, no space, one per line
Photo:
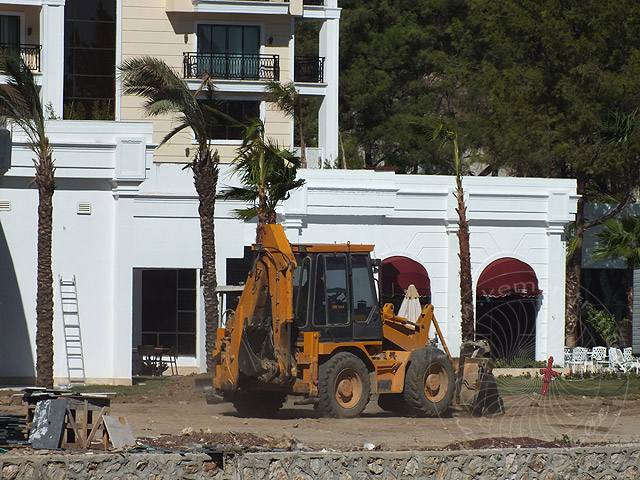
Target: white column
[328,115]
[550,322]
[52,54]
[453,332]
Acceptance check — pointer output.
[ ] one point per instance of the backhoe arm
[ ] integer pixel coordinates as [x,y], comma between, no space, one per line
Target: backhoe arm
[265,307]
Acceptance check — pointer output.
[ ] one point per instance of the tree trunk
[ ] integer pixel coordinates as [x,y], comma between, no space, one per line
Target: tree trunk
[44,296]
[205,176]
[466,285]
[573,300]
[262,214]
[303,147]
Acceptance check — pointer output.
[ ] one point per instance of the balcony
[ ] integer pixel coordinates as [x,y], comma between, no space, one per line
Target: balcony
[231,66]
[309,69]
[30,54]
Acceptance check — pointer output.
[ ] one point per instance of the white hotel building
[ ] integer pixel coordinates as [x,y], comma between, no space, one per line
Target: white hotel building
[126,224]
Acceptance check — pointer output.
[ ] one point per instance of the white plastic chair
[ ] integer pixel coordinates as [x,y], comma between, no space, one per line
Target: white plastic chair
[567,355]
[631,362]
[578,362]
[599,358]
[617,361]
[627,353]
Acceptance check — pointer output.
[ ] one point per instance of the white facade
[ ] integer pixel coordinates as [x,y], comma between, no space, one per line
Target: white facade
[143,215]
[123,207]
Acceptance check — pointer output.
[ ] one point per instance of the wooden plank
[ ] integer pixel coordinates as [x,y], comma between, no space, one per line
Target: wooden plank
[97,423]
[48,423]
[119,431]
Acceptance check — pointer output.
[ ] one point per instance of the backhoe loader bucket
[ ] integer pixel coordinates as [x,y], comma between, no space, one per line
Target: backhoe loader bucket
[476,386]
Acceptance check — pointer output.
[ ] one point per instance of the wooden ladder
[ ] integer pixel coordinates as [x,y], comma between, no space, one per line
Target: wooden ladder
[72,332]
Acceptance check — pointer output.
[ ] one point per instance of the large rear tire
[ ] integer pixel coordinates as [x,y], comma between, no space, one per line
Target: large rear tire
[429,383]
[258,404]
[344,387]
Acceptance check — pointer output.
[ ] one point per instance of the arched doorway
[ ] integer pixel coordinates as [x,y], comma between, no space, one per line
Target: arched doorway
[398,273]
[507,304]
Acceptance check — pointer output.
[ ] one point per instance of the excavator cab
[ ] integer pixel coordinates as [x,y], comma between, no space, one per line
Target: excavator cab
[334,295]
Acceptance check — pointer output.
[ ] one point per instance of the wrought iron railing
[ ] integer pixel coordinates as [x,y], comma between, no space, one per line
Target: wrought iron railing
[30,54]
[232,66]
[309,69]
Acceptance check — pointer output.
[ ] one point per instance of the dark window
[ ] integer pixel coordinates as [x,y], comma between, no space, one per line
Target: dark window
[9,30]
[364,300]
[241,111]
[337,294]
[301,290]
[236,39]
[90,54]
[169,309]
[229,51]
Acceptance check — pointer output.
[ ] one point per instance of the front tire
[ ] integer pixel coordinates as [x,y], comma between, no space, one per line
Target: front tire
[429,383]
[344,387]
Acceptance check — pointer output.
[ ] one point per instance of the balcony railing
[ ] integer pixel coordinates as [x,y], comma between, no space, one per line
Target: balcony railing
[232,66]
[309,69]
[30,54]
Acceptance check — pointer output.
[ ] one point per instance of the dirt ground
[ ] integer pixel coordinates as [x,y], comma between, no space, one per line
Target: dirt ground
[175,416]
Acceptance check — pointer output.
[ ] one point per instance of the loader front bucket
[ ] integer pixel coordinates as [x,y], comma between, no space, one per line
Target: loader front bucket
[476,386]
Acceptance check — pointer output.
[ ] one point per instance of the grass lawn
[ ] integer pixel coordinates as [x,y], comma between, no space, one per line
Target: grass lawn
[140,385]
[588,387]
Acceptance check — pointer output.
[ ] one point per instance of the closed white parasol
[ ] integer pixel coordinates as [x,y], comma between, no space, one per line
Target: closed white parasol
[410,307]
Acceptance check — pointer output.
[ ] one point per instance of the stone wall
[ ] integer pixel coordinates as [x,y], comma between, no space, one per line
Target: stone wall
[611,462]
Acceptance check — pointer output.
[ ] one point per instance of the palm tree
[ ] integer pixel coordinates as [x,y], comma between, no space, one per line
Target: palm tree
[166,93]
[268,175]
[20,103]
[620,238]
[618,132]
[287,98]
[447,133]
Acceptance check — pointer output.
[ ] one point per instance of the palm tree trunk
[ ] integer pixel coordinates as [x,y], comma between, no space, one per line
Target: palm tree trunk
[44,296]
[262,213]
[466,284]
[303,147]
[205,175]
[573,301]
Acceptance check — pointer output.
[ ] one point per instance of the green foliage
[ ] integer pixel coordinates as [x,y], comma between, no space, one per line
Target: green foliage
[620,238]
[544,78]
[100,110]
[392,82]
[595,386]
[519,362]
[20,101]
[267,172]
[567,440]
[139,386]
[604,324]
[165,92]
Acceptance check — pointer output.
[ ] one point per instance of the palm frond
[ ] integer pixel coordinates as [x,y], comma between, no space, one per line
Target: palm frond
[20,100]
[285,96]
[164,92]
[620,238]
[246,214]
[237,193]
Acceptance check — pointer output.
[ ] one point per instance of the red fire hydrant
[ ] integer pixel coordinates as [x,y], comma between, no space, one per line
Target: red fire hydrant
[548,374]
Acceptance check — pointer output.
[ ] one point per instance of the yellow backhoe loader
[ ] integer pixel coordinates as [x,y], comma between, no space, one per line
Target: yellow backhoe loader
[308,323]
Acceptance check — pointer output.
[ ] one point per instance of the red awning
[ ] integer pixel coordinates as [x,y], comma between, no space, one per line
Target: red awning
[400,272]
[508,276]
